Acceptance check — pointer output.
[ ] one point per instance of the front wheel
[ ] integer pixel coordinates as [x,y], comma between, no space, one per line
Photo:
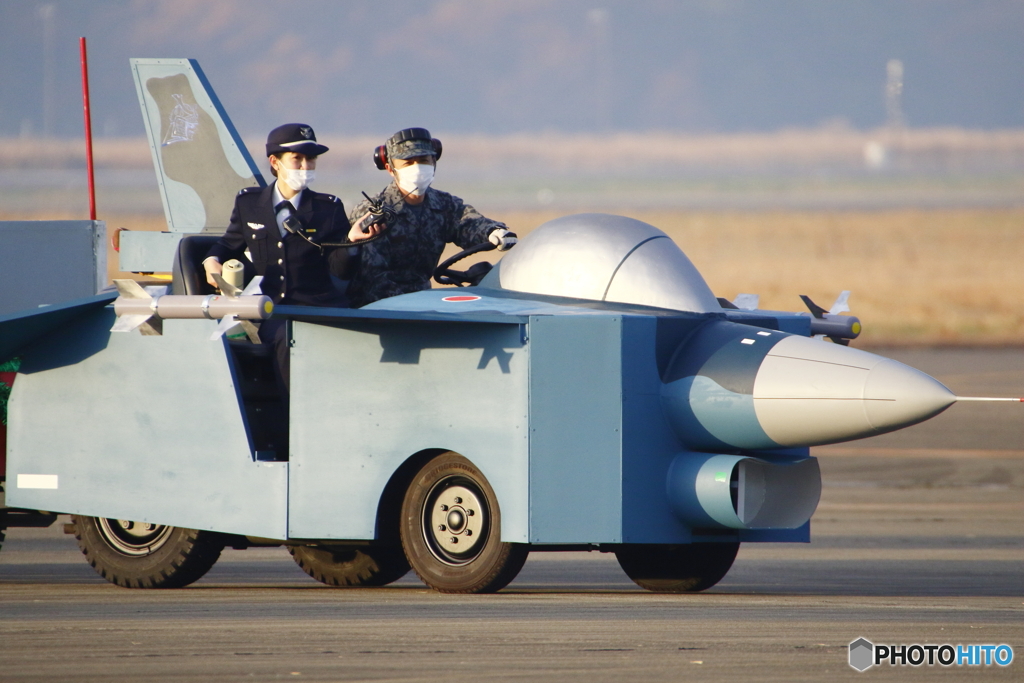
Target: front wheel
[372,565]
[451,529]
[684,568]
[140,555]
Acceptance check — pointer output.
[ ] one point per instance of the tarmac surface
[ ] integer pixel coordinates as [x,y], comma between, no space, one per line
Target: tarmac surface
[919,538]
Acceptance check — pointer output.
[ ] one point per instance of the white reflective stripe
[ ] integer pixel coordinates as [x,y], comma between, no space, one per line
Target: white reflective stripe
[300,142]
[37,481]
[747,341]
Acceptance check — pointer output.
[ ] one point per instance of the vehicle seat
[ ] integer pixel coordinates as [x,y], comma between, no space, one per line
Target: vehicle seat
[187,274]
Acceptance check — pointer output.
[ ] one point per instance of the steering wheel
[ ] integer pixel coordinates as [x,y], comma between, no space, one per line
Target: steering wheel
[444,274]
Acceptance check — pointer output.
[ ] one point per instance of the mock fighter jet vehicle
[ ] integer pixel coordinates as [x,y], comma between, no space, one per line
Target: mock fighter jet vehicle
[589,392]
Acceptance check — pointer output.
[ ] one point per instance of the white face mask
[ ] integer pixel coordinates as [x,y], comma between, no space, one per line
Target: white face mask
[296,179]
[415,178]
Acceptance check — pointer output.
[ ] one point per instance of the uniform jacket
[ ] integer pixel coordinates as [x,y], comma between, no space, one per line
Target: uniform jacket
[294,271]
[404,259]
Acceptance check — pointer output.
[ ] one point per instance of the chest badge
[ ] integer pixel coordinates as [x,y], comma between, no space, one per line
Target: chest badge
[256,226]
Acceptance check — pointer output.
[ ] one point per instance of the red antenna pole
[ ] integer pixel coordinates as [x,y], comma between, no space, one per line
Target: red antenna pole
[88,132]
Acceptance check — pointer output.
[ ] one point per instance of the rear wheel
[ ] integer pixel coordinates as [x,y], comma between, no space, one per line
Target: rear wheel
[451,529]
[684,568]
[371,565]
[140,555]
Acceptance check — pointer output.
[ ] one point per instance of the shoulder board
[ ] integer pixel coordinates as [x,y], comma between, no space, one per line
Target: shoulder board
[247,190]
[324,197]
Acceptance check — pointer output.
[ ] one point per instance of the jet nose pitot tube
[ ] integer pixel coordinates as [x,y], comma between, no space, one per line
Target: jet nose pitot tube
[733,386]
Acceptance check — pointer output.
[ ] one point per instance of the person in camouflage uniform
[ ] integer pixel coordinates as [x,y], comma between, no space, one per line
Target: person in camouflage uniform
[403,259]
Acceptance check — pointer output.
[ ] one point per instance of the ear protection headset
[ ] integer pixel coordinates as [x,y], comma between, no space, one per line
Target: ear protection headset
[380,155]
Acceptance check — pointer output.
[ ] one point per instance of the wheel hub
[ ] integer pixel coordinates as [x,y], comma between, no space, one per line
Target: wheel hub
[133,538]
[455,522]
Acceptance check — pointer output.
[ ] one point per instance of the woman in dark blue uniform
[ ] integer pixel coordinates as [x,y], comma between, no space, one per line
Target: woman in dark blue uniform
[295,268]
[283,227]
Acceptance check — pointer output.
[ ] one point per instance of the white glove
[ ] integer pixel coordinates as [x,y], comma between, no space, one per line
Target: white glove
[503,239]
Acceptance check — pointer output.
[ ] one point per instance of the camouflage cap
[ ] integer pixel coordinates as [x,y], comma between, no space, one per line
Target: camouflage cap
[412,142]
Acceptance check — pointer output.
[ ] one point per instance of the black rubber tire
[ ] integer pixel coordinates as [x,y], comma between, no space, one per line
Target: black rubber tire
[478,561]
[161,557]
[353,566]
[685,568]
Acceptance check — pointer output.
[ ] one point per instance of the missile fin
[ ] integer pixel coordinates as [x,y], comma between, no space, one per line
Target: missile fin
[251,331]
[127,323]
[842,303]
[229,321]
[725,303]
[225,324]
[747,302]
[152,327]
[232,292]
[832,338]
[130,289]
[816,310]
[253,288]
[226,288]
[148,325]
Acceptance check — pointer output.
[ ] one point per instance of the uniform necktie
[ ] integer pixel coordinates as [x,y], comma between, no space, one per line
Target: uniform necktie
[289,219]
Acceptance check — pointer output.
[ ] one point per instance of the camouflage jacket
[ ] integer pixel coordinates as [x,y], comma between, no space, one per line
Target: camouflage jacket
[403,260]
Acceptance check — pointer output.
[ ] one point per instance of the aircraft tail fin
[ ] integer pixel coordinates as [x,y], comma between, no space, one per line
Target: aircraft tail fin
[200,160]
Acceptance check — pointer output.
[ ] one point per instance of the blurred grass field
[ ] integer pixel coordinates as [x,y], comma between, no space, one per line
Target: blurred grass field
[918,277]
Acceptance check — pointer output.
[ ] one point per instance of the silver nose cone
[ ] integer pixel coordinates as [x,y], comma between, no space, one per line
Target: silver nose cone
[896,396]
[808,392]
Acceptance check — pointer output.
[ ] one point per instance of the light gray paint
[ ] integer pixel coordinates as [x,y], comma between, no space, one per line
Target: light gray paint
[50,262]
[367,398]
[604,258]
[199,159]
[808,392]
[148,252]
[576,429]
[140,428]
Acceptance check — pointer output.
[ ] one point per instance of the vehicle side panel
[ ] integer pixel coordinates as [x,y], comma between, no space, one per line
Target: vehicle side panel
[146,428]
[367,395]
[575,429]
